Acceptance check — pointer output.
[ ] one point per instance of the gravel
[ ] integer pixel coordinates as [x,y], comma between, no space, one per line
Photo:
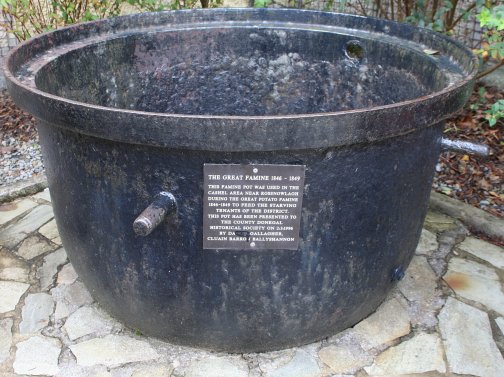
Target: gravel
[20,156]
[19,160]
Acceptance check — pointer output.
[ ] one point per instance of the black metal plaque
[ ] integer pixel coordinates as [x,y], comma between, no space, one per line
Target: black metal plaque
[252,206]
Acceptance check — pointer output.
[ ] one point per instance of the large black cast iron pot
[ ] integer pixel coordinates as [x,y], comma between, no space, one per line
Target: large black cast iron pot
[135,106]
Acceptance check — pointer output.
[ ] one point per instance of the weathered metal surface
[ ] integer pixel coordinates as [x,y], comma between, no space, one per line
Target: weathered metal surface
[163,204]
[134,106]
[363,209]
[465,146]
[119,49]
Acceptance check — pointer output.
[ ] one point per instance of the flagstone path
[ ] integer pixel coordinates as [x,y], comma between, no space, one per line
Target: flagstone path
[445,318]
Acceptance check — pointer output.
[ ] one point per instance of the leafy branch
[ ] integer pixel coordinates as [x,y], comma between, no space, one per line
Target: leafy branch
[30,17]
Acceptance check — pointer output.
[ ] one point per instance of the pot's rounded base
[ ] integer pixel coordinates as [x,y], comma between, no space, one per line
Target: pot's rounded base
[361,218]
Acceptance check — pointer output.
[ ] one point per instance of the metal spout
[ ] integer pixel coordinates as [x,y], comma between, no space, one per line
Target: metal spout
[164,203]
[465,147]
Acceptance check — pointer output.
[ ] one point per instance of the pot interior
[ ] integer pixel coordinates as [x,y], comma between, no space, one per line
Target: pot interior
[246,71]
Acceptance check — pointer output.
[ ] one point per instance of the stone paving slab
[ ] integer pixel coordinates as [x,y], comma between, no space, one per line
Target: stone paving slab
[5,338]
[37,356]
[484,250]
[468,340]
[33,220]
[36,311]
[9,211]
[420,354]
[445,318]
[476,282]
[10,294]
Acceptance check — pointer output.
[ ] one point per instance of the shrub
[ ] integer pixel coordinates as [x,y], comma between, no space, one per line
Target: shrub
[26,18]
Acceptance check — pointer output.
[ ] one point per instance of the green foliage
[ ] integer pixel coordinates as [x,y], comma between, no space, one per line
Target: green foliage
[439,15]
[329,5]
[261,3]
[495,113]
[430,18]
[30,17]
[492,18]
[148,5]
[444,16]
[481,107]
[481,99]
[189,4]
[492,21]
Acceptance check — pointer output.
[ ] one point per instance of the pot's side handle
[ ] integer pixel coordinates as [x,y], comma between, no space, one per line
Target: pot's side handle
[465,147]
[164,203]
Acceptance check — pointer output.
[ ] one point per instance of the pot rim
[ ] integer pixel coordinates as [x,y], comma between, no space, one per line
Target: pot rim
[241,133]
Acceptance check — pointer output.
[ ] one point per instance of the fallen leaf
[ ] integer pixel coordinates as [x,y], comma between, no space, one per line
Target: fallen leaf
[431,52]
[483,183]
